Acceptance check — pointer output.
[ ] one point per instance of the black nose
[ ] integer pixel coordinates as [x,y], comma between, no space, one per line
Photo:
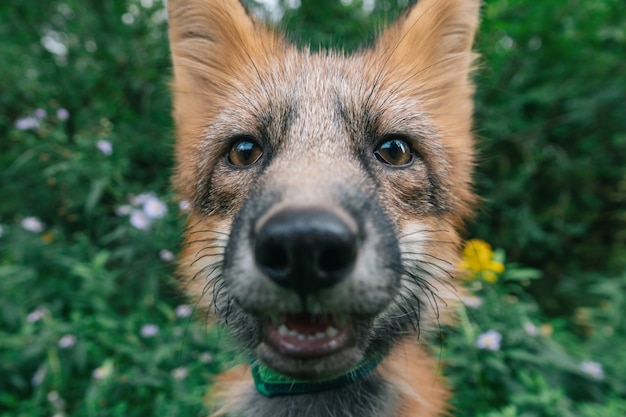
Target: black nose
[305,249]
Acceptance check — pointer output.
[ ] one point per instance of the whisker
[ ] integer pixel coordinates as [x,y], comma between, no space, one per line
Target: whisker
[428,255]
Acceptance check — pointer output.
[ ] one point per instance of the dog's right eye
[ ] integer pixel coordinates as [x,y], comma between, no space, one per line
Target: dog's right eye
[244,152]
[394,151]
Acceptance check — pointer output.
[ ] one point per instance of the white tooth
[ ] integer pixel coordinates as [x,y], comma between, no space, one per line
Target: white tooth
[292,333]
[320,335]
[301,336]
[311,337]
[331,331]
[283,330]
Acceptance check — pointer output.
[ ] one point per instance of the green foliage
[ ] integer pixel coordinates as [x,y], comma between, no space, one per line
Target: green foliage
[550,117]
[508,356]
[91,322]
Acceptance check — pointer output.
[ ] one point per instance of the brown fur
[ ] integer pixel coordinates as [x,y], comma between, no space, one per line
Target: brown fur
[314,112]
[405,365]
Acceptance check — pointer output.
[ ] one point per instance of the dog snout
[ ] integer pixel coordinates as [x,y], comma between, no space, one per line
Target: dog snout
[305,250]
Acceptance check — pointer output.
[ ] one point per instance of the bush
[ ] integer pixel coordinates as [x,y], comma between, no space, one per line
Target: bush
[508,356]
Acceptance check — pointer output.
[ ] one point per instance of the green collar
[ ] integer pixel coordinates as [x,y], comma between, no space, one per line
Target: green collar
[270,383]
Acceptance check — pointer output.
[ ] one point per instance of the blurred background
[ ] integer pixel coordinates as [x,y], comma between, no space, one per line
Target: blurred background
[91,320]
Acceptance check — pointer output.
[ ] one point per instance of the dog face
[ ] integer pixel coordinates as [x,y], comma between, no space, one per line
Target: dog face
[327,190]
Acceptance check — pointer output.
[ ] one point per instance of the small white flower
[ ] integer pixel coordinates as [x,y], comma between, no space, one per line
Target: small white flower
[184,205]
[140,199]
[123,210]
[105,146]
[40,113]
[472,301]
[128,19]
[55,399]
[39,376]
[531,329]
[206,358]
[490,340]
[63,114]
[32,224]
[27,123]
[103,371]
[149,330]
[593,369]
[166,255]
[67,341]
[154,208]
[35,315]
[183,311]
[139,220]
[1,230]
[180,373]
[53,396]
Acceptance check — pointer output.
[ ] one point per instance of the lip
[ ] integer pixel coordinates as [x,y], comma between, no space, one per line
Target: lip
[309,336]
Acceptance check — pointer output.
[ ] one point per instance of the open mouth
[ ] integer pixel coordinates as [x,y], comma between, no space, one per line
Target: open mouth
[309,336]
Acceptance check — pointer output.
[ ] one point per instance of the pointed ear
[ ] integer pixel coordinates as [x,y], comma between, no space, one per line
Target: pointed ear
[432,46]
[213,43]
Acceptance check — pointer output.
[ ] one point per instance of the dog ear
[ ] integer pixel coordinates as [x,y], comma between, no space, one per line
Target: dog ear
[430,48]
[213,43]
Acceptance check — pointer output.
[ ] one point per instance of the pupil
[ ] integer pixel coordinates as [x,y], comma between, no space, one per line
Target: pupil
[394,149]
[245,150]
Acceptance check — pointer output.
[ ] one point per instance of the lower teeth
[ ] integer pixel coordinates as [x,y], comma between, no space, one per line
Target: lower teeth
[331,331]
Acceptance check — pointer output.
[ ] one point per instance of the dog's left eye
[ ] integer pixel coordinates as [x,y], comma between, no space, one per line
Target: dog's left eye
[244,152]
[395,152]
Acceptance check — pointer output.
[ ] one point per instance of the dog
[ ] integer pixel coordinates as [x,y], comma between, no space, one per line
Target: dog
[328,193]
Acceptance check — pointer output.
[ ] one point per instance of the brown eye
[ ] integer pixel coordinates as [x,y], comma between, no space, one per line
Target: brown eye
[394,152]
[244,152]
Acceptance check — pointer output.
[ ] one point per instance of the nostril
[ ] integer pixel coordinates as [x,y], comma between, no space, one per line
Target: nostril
[272,258]
[336,258]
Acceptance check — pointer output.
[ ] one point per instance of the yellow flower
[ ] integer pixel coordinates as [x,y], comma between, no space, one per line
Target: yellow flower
[478,261]
[48,237]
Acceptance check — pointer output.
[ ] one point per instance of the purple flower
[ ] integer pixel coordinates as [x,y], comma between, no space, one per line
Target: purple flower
[593,369]
[167,256]
[123,210]
[149,330]
[63,114]
[105,147]
[67,341]
[139,220]
[32,224]
[36,315]
[27,123]
[183,311]
[184,205]
[531,329]
[154,208]
[39,376]
[40,113]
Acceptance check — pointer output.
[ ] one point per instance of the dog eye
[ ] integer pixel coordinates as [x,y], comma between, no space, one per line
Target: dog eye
[244,152]
[394,152]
